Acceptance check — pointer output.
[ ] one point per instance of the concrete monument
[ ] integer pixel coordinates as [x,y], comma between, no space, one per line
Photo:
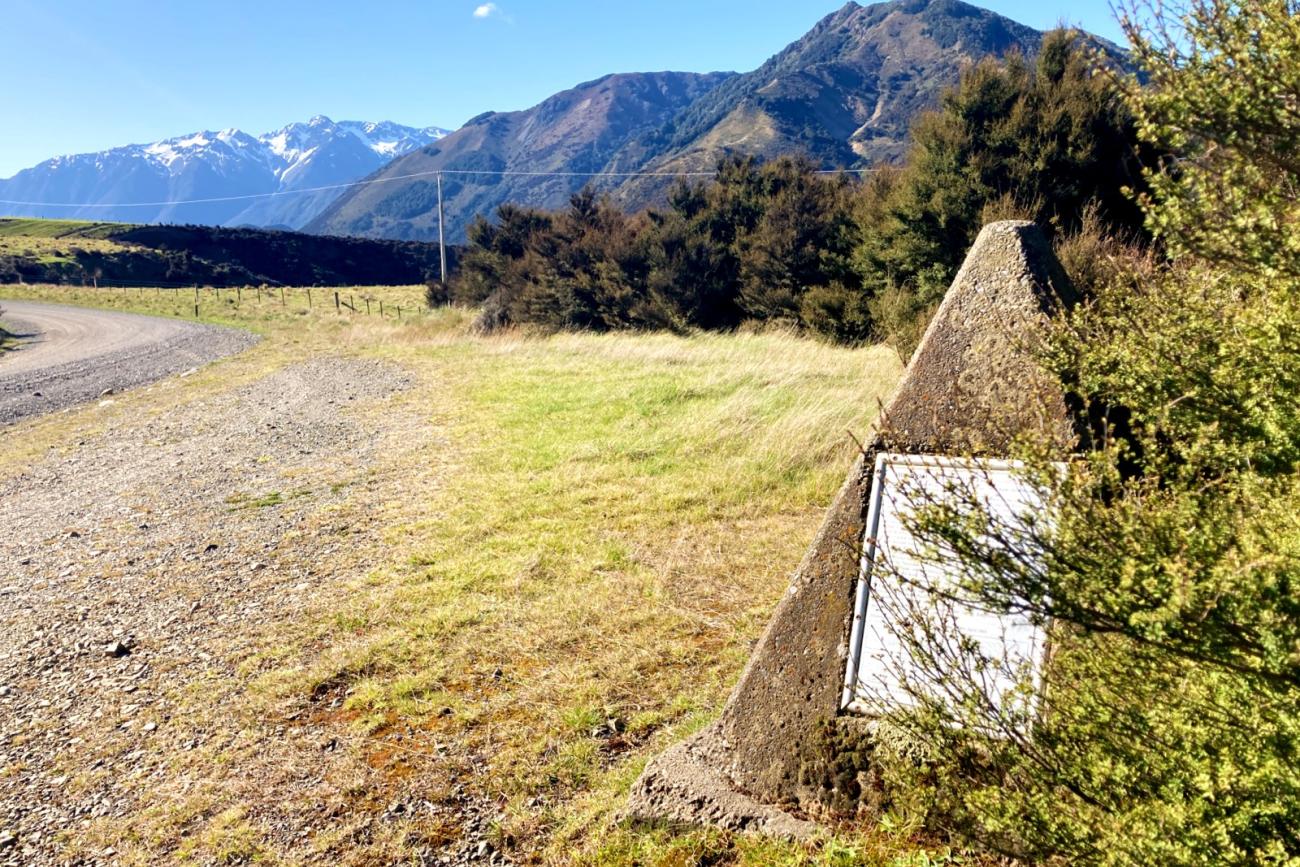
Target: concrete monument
[970,389]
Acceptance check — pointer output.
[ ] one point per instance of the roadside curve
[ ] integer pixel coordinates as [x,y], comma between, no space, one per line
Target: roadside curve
[63,356]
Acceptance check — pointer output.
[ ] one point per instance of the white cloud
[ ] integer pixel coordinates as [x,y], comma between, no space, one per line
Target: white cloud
[487,10]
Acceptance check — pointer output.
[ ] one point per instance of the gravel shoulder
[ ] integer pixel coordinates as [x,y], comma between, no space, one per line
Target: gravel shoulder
[64,356]
[147,577]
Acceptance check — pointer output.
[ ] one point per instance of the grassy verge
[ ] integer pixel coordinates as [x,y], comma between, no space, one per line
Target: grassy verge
[611,522]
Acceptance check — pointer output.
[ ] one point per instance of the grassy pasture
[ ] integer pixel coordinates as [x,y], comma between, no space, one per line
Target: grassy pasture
[599,533]
[49,249]
[50,242]
[12,227]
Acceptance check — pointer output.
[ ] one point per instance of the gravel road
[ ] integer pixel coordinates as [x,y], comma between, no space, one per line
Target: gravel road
[70,355]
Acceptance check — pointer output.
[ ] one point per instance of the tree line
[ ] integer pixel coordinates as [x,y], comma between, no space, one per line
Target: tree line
[220,256]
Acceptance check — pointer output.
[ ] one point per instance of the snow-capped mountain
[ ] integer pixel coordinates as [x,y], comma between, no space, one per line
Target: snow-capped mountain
[221,165]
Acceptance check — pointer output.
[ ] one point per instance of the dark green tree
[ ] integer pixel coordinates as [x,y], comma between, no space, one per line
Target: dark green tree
[1045,142]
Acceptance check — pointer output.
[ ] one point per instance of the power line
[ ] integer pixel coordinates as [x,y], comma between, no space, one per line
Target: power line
[406,177]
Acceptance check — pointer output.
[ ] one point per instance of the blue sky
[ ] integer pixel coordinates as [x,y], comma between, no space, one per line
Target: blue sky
[86,75]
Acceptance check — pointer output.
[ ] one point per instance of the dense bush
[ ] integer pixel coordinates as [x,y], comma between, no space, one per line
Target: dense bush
[215,256]
[1047,143]
[749,245]
[848,259]
[290,258]
[1169,729]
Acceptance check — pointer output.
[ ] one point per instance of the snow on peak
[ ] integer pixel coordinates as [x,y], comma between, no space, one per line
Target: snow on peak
[390,139]
[283,153]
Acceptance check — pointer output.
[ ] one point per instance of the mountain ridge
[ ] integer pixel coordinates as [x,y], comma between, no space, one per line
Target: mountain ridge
[843,94]
[576,130]
[217,164]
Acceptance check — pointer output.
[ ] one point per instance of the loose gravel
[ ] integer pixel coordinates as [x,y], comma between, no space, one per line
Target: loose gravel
[141,574]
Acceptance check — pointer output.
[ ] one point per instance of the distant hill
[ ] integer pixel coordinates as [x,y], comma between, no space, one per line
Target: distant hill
[221,164]
[122,254]
[577,130]
[845,94]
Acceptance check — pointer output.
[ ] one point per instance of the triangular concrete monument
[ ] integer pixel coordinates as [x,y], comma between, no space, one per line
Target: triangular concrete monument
[970,388]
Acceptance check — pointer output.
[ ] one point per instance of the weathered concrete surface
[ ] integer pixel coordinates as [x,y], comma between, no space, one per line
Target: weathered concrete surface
[970,387]
[684,786]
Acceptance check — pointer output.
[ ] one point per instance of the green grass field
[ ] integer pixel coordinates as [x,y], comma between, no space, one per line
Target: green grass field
[608,523]
[51,242]
[15,227]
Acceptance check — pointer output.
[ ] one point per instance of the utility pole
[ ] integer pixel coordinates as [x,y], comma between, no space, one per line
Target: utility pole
[442,246]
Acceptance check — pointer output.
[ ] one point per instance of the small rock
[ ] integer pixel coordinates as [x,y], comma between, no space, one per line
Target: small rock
[7,839]
[117,649]
[484,847]
[106,392]
[149,726]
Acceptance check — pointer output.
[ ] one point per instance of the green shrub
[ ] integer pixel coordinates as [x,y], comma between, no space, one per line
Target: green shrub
[1169,728]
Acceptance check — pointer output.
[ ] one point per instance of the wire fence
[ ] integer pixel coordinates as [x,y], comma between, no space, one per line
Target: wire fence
[304,297]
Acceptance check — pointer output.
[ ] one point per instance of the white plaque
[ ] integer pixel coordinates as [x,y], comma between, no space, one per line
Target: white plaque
[908,588]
